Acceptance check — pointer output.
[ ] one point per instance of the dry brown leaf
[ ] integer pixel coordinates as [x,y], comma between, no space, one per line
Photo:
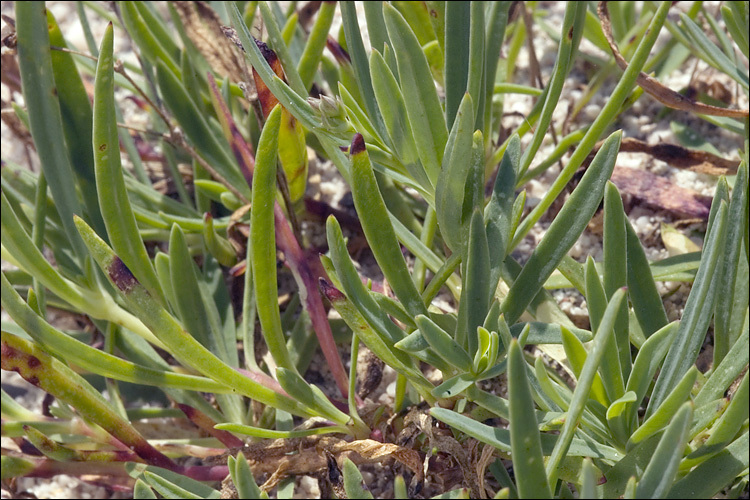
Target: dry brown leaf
[274,457]
[460,452]
[661,93]
[265,96]
[203,27]
[701,162]
[487,456]
[335,477]
[661,193]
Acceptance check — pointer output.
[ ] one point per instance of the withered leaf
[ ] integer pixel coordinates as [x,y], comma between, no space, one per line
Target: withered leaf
[274,456]
[701,162]
[661,193]
[265,96]
[203,27]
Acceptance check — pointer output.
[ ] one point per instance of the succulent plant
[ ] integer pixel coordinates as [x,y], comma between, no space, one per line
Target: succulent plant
[180,285]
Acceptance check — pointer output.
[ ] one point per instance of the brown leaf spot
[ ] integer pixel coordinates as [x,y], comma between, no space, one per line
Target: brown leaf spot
[103,147]
[8,353]
[33,380]
[33,362]
[121,276]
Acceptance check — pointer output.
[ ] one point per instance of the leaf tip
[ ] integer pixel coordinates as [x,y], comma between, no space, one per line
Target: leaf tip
[358,145]
[331,292]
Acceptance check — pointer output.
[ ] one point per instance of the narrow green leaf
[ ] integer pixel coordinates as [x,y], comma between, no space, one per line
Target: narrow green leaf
[113,197]
[646,300]
[713,475]
[420,95]
[548,333]
[359,59]
[588,479]
[618,96]
[258,432]
[391,103]
[158,27]
[207,140]
[692,330]
[596,299]
[77,116]
[378,229]
[45,119]
[571,31]
[143,491]
[141,31]
[242,477]
[526,445]
[90,358]
[618,406]
[616,270]
[359,320]
[660,472]
[647,362]
[376,29]
[309,395]
[443,344]
[499,212]
[316,42]
[476,63]
[627,468]
[497,21]
[56,378]
[358,118]
[735,16]
[457,44]
[189,306]
[729,424]
[24,254]
[726,372]
[577,355]
[583,388]
[500,438]
[714,56]
[181,344]
[354,485]
[672,403]
[564,230]
[354,288]
[450,186]
[723,335]
[454,386]
[183,488]
[263,240]
[421,251]
[218,246]
[476,280]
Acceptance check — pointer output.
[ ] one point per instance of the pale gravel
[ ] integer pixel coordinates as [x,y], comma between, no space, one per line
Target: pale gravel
[635,123]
